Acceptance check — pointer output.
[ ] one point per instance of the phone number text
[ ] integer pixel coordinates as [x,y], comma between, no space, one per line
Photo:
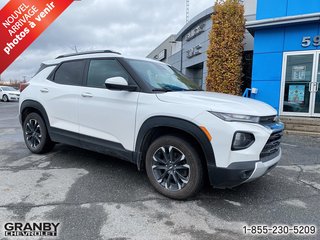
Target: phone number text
[280,230]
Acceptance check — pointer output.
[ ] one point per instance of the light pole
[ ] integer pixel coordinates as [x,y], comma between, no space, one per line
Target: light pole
[187,10]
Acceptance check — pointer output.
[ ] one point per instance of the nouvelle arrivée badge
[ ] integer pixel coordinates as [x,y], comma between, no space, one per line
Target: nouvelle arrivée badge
[21,22]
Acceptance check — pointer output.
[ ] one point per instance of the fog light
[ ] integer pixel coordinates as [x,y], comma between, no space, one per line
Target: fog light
[246,174]
[242,140]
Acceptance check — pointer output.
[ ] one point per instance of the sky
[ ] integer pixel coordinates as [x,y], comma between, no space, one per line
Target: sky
[132,27]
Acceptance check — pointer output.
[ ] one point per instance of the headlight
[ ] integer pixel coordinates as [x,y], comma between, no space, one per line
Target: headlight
[242,140]
[231,117]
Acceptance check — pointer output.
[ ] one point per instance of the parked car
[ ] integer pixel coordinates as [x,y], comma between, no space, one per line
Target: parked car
[148,113]
[9,94]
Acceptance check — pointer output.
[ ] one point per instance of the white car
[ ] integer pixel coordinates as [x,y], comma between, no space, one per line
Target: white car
[146,112]
[9,94]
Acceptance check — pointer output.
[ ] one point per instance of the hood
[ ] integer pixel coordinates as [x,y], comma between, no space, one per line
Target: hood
[219,102]
[13,92]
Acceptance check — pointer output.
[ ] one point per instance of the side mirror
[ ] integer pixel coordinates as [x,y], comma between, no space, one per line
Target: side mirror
[120,84]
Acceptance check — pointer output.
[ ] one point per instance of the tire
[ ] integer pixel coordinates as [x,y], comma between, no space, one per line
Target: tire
[5,98]
[179,179]
[36,135]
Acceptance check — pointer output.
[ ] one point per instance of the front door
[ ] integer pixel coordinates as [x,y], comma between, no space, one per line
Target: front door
[300,94]
[105,114]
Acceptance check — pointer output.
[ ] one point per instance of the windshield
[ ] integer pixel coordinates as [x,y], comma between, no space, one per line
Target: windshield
[161,77]
[8,89]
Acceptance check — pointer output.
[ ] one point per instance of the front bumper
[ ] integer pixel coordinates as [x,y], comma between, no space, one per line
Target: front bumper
[230,168]
[240,172]
[13,98]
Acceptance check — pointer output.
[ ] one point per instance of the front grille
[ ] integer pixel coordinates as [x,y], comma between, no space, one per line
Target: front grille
[272,147]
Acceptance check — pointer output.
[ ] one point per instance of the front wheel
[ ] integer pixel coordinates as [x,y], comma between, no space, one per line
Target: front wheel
[36,135]
[5,98]
[174,167]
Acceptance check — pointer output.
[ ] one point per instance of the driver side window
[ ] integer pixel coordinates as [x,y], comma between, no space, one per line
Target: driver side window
[101,70]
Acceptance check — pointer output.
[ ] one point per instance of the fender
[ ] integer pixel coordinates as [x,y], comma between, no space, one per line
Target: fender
[35,105]
[177,123]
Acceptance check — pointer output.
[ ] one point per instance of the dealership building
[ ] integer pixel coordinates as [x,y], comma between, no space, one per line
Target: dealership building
[186,50]
[281,58]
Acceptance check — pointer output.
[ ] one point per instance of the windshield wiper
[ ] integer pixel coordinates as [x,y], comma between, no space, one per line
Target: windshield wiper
[161,90]
[191,90]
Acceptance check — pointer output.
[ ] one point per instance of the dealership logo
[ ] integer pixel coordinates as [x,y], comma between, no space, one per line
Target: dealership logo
[195,32]
[162,55]
[195,51]
[42,229]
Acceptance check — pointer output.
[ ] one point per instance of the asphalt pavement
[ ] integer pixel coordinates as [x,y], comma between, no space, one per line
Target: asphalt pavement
[94,196]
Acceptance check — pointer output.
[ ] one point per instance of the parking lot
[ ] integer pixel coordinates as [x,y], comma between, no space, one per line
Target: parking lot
[94,196]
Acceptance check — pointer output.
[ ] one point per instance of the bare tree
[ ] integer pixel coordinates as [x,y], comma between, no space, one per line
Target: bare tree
[74,48]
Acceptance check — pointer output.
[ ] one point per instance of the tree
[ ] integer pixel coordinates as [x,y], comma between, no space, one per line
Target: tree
[74,48]
[226,47]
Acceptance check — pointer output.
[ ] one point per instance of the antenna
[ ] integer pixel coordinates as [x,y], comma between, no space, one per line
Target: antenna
[187,10]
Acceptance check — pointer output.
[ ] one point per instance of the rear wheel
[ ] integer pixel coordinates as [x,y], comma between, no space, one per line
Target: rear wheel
[36,135]
[5,98]
[174,167]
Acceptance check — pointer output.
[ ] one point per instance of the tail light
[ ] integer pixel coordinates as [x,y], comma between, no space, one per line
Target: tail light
[23,86]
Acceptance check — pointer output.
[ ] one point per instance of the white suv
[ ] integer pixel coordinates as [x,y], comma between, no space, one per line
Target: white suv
[146,112]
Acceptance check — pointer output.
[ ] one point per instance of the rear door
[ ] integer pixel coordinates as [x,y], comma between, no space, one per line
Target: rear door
[60,96]
[107,116]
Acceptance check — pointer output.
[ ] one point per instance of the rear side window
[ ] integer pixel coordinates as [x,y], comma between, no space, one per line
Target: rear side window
[70,73]
[101,70]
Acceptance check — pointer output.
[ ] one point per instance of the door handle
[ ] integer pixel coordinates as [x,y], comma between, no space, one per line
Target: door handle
[310,86]
[44,90]
[313,87]
[87,95]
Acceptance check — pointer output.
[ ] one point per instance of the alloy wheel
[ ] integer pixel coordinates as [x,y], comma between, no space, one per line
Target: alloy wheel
[170,168]
[33,133]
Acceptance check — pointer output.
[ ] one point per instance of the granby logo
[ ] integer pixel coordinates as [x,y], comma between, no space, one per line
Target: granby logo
[19,229]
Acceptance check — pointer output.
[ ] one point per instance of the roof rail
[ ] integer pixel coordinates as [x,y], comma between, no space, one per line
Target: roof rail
[88,52]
